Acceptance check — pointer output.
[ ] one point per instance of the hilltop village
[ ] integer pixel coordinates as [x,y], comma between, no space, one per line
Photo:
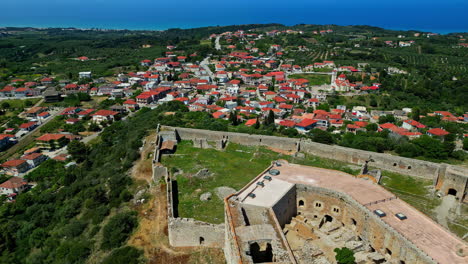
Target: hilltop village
[366,91]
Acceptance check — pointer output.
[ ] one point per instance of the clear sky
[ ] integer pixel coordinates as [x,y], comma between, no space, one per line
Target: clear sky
[448,15]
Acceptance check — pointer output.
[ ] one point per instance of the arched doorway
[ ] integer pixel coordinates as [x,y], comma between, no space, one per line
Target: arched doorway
[452,191]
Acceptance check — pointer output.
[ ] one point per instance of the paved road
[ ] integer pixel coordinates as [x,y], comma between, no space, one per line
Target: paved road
[20,98]
[217,45]
[204,65]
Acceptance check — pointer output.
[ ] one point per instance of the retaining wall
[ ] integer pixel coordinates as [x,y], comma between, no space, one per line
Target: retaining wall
[186,232]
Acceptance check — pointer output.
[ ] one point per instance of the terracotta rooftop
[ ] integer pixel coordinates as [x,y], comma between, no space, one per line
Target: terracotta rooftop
[14,182]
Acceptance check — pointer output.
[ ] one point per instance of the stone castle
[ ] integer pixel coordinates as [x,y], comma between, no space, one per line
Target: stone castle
[298,214]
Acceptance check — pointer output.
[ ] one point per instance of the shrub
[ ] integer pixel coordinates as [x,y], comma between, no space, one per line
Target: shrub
[118,229]
[124,255]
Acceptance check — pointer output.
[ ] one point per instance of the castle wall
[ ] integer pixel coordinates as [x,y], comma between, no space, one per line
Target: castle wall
[185,232]
[444,176]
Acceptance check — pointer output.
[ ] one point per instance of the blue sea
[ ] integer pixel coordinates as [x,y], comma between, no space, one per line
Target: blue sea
[431,16]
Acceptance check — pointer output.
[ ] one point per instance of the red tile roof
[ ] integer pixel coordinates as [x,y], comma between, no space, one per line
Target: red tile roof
[105,113]
[306,122]
[49,137]
[13,183]
[438,132]
[13,163]
[251,122]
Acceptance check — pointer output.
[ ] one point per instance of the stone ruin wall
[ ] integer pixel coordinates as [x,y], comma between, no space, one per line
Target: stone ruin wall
[443,176]
[369,227]
[184,232]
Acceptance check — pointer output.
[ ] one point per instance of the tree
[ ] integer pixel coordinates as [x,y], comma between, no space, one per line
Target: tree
[344,255]
[118,229]
[465,143]
[325,107]
[124,255]
[257,124]
[233,118]
[386,119]
[78,150]
[321,136]
[270,119]
[416,114]
[372,127]
[5,105]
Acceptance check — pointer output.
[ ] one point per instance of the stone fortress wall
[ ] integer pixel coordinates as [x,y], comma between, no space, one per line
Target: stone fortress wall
[446,178]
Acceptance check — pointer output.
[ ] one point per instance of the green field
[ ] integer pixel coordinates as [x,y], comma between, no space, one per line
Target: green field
[412,190]
[314,79]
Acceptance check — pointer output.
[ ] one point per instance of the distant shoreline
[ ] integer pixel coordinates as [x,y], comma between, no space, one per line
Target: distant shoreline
[163,28]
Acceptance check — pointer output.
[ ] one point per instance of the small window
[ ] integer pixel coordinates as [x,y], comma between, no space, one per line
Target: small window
[301,203]
[318,205]
[380,213]
[394,164]
[336,210]
[401,216]
[409,167]
[388,251]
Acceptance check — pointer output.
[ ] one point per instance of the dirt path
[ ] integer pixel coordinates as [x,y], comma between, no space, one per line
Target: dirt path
[442,211]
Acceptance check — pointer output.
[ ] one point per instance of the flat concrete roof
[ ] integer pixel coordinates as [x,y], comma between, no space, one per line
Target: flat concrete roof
[268,195]
[422,231]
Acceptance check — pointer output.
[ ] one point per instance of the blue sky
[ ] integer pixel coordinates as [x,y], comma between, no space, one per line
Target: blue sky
[157,14]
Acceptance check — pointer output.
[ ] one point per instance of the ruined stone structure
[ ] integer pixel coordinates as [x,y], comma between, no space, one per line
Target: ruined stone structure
[298,214]
[447,179]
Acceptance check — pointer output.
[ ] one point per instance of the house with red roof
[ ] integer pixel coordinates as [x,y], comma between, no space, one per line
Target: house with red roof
[34,159]
[47,81]
[219,115]
[104,115]
[131,105]
[70,111]
[15,167]
[287,123]
[22,92]
[313,102]
[251,122]
[29,126]
[412,125]
[352,128]
[72,121]
[146,63]
[14,185]
[437,132]
[286,107]
[306,124]
[52,141]
[84,113]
